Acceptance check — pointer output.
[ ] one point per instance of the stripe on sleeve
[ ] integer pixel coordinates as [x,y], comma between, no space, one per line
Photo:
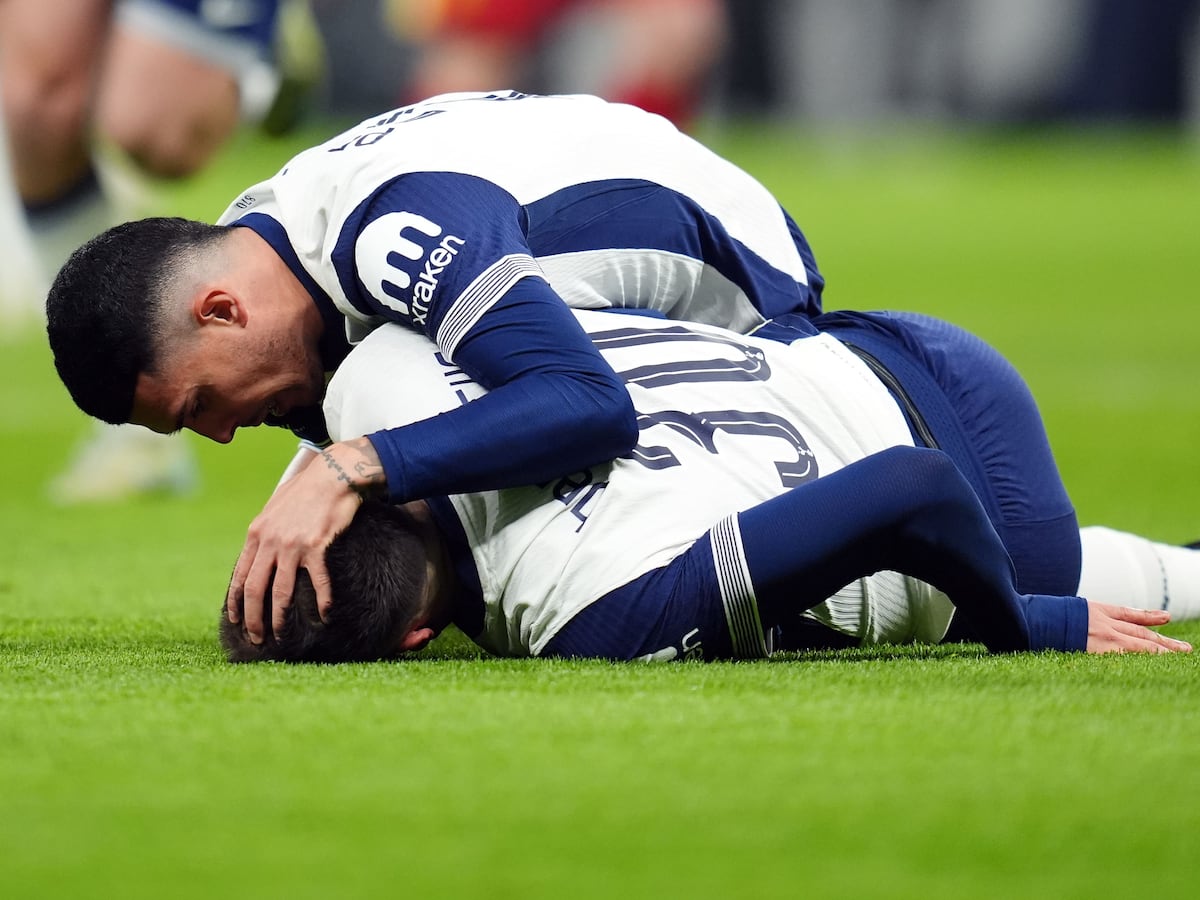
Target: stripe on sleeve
[737,590]
[480,295]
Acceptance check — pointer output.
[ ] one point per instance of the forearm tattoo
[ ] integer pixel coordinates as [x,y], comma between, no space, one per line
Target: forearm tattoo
[367,478]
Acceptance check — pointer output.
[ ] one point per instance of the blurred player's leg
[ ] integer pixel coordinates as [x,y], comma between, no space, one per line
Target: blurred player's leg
[176,80]
[50,52]
[180,75]
[165,82]
[22,282]
[169,110]
[666,51]
[467,45]
[1127,570]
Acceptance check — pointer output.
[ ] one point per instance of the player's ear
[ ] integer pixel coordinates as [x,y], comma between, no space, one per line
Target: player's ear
[416,638]
[214,306]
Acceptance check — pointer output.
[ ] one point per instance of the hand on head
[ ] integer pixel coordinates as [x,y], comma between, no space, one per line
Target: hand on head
[377,568]
[294,530]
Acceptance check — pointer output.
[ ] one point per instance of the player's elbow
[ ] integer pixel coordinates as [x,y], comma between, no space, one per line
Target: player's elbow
[627,430]
[621,426]
[616,421]
[625,418]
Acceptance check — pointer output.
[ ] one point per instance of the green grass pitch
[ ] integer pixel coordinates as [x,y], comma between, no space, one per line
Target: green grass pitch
[135,763]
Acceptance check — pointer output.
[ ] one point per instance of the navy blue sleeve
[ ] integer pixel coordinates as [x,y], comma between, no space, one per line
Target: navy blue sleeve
[907,510]
[1056,623]
[554,406]
[431,250]
[446,254]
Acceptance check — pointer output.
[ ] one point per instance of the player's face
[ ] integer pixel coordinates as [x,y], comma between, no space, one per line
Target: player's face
[226,379]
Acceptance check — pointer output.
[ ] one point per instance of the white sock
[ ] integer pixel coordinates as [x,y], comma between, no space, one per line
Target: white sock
[1127,570]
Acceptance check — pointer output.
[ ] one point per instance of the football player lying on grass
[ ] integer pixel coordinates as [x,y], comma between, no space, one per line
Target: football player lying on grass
[885,480]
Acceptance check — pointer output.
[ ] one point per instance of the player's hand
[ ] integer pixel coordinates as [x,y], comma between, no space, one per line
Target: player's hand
[295,527]
[1120,629]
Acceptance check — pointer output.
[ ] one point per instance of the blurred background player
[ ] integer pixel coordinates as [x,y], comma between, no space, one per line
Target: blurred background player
[163,83]
[658,54]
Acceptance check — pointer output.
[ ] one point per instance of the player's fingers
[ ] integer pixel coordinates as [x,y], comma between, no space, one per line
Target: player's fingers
[1170,644]
[233,599]
[1139,639]
[319,575]
[1151,617]
[281,595]
[254,593]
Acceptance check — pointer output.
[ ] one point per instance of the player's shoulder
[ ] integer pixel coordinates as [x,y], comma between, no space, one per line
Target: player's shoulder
[393,377]
[507,113]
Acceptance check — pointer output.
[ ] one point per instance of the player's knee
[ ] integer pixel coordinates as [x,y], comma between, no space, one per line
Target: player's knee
[931,476]
[952,485]
[51,104]
[164,148]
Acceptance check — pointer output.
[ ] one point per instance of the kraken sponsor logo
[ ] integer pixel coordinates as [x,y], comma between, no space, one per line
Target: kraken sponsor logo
[400,264]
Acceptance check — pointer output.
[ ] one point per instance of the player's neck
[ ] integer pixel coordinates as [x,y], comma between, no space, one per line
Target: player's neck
[276,285]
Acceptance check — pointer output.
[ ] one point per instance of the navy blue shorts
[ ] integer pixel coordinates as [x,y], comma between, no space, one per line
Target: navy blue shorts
[980,412]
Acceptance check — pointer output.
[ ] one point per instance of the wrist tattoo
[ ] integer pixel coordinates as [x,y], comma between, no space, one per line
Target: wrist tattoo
[333,464]
[367,479]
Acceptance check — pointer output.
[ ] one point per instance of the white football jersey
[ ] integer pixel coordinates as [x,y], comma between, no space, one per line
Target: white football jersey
[726,422]
[428,214]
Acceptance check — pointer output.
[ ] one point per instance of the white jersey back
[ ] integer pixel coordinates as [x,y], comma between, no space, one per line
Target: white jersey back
[611,205]
[726,422]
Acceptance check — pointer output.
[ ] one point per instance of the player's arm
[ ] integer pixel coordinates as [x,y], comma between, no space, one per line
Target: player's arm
[446,254]
[909,510]
[554,406]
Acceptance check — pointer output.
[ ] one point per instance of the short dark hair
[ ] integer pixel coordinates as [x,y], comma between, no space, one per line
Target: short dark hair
[377,569]
[103,310]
